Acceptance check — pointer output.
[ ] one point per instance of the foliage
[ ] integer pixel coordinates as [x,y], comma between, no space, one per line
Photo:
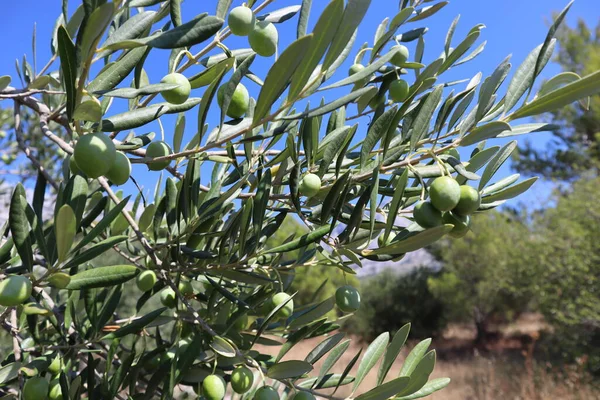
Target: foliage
[206,237]
[391,299]
[569,271]
[574,147]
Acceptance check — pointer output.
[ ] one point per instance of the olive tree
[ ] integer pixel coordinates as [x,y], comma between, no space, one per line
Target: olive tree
[347,165]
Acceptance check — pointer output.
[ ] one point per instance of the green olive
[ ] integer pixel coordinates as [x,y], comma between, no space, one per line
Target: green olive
[239,103]
[36,388]
[241,379]
[310,185]
[401,57]
[186,288]
[168,298]
[304,396]
[286,310]
[444,193]
[94,154]
[55,390]
[120,170]
[266,393]
[158,149]
[59,280]
[14,290]
[399,90]
[347,299]
[469,202]
[461,224]
[180,94]
[56,365]
[263,39]
[146,280]
[241,21]
[426,215]
[213,387]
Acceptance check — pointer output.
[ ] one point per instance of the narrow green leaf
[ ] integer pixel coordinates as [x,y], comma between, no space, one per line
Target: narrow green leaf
[113,74]
[221,69]
[511,191]
[136,325]
[353,15]
[323,33]
[142,116]
[392,352]
[302,241]
[395,204]
[211,74]
[420,376]
[324,347]
[133,28]
[94,28]
[423,120]
[414,357]
[386,390]
[132,93]
[261,200]
[5,81]
[68,67]
[378,128]
[279,76]
[327,108]
[222,8]
[413,242]
[288,369]
[241,70]
[429,388]
[102,277]
[65,225]
[303,18]
[95,251]
[557,81]
[484,132]
[496,162]
[426,12]
[372,355]
[459,51]
[333,358]
[222,347]
[103,224]
[528,128]
[19,226]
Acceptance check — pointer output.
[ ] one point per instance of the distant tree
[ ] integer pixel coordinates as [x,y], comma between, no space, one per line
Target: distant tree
[487,273]
[576,144]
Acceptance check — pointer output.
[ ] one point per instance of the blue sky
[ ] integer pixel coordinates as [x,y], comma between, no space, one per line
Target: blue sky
[512,27]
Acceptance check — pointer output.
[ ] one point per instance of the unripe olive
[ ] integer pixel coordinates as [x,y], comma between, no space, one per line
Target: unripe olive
[263,38]
[239,101]
[241,323]
[444,193]
[14,290]
[241,21]
[73,166]
[266,393]
[213,387]
[56,365]
[158,149]
[286,310]
[355,68]
[301,395]
[399,90]
[59,280]
[347,299]
[35,388]
[185,287]
[55,390]
[426,215]
[241,379]
[120,170]
[383,243]
[310,185]
[146,280]
[461,224]
[401,57]
[94,154]
[180,94]
[168,298]
[469,202]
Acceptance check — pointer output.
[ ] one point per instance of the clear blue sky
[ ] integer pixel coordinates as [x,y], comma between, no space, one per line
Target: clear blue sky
[513,27]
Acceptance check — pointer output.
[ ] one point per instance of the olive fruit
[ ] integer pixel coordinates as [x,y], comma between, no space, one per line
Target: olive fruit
[382,242]
[56,365]
[461,224]
[263,38]
[36,388]
[444,193]
[14,290]
[158,149]
[310,185]
[266,393]
[94,154]
[355,68]
[347,299]
[469,202]
[399,90]
[213,387]
[168,298]
[146,280]
[426,215]
[401,57]
[241,379]
[120,170]
[239,101]
[185,287]
[304,396]
[181,93]
[55,390]
[241,21]
[286,310]
[73,166]
[59,280]
[241,323]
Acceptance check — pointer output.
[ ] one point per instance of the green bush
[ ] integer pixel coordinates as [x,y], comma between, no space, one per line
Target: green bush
[391,299]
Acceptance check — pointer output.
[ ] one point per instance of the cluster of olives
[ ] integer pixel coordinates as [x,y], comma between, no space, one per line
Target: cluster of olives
[398,89]
[95,155]
[38,388]
[262,35]
[449,203]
